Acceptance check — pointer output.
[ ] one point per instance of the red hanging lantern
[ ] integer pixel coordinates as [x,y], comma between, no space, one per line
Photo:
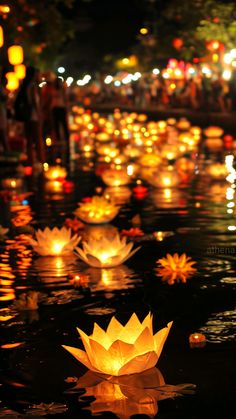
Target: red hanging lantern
[177,43]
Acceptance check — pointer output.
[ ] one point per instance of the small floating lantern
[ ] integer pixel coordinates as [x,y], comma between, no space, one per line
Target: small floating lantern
[121,350]
[197,340]
[175,268]
[54,242]
[12,183]
[55,173]
[106,252]
[97,211]
[150,160]
[140,191]
[115,177]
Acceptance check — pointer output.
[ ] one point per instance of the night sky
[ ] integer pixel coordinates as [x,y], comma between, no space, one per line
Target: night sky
[104,27]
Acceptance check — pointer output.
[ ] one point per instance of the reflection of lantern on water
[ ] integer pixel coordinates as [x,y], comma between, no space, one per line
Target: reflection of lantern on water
[125,396]
[115,177]
[55,269]
[121,350]
[110,279]
[54,186]
[168,198]
[12,183]
[185,167]
[12,81]
[119,194]
[214,144]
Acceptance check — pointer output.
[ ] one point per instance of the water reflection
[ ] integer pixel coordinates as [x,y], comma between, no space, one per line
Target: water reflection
[128,395]
[51,270]
[120,277]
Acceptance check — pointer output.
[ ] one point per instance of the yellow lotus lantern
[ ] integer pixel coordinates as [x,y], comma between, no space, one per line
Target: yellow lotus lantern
[103,137]
[175,268]
[217,170]
[214,144]
[97,211]
[55,173]
[54,242]
[183,124]
[166,178]
[122,350]
[106,252]
[115,177]
[213,132]
[150,160]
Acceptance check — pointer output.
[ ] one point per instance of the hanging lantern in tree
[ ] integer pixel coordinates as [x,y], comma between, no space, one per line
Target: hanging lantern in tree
[15,54]
[20,70]
[12,81]
[1,37]
[177,43]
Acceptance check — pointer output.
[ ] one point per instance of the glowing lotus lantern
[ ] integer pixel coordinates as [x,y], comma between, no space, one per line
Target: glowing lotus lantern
[214,144]
[114,177]
[213,132]
[103,137]
[150,160]
[169,151]
[183,124]
[106,252]
[122,350]
[55,173]
[175,268]
[217,170]
[54,242]
[97,211]
[166,178]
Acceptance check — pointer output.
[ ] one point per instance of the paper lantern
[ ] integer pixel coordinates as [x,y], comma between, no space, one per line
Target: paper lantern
[197,340]
[12,81]
[121,350]
[1,37]
[114,177]
[55,173]
[99,210]
[15,54]
[106,252]
[20,70]
[175,268]
[54,242]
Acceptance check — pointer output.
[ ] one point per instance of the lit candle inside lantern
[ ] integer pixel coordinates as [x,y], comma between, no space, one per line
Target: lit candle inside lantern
[197,340]
[140,191]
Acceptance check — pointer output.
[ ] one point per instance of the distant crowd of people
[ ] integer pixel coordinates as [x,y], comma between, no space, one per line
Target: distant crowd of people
[198,93]
[42,104]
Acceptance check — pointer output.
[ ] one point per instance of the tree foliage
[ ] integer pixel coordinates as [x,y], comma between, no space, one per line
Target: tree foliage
[42,27]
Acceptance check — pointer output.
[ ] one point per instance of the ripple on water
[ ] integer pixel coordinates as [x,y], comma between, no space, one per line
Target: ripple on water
[221,327]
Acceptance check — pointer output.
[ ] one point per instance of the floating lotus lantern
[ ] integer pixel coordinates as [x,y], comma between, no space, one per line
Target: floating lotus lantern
[12,183]
[166,178]
[197,340]
[55,173]
[121,350]
[213,132]
[119,194]
[214,144]
[183,124]
[217,170]
[103,137]
[169,151]
[175,268]
[54,242]
[99,210]
[106,252]
[150,160]
[115,177]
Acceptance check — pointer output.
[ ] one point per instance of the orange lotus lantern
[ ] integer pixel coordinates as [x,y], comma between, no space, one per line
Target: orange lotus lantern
[15,54]
[12,81]
[20,70]
[1,37]
[122,350]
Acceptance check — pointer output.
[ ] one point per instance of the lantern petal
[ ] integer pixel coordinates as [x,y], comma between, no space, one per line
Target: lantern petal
[139,363]
[102,360]
[114,328]
[147,322]
[121,351]
[80,356]
[101,336]
[145,340]
[160,338]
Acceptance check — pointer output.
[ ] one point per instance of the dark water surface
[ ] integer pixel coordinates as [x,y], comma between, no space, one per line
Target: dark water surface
[37,370]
